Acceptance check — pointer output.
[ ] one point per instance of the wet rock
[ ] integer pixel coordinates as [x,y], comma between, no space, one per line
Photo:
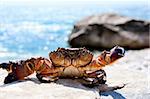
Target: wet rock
[108,30]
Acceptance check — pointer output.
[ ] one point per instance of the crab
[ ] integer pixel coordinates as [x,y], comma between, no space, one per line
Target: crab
[78,63]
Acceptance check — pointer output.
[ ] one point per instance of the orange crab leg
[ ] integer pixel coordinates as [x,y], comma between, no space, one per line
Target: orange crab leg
[45,67]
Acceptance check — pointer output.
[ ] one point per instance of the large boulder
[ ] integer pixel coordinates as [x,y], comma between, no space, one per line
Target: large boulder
[108,30]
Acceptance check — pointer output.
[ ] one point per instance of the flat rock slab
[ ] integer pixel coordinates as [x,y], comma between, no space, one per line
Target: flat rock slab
[133,69]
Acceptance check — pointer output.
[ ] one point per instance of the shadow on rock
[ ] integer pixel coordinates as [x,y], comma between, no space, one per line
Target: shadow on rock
[35,80]
[5,85]
[75,83]
[113,94]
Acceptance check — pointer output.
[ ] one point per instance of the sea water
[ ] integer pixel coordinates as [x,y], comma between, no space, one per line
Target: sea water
[27,31]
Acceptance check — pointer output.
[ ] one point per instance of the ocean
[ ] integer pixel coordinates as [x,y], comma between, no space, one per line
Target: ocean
[30,31]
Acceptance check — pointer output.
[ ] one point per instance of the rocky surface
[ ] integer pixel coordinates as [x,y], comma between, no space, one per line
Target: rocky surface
[133,69]
[108,30]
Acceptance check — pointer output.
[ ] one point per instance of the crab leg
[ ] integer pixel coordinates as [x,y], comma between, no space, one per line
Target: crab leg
[45,71]
[95,78]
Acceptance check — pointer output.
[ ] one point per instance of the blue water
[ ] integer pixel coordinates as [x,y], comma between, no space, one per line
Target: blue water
[27,31]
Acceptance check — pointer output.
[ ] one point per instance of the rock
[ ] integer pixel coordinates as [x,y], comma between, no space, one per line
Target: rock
[108,30]
[124,71]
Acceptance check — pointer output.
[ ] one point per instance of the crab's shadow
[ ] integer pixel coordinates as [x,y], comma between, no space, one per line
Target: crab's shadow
[35,80]
[113,94]
[75,84]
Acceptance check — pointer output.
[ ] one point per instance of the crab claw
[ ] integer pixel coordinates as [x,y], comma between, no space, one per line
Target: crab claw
[116,53]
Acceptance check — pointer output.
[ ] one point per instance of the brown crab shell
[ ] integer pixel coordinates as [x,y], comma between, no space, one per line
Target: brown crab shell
[71,57]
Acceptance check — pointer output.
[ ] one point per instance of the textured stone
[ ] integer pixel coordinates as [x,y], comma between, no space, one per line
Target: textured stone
[108,30]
